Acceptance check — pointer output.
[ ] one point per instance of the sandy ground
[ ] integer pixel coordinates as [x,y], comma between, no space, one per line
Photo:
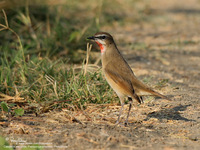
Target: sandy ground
[164,47]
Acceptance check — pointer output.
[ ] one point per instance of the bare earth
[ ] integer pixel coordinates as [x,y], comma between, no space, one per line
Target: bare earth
[167,46]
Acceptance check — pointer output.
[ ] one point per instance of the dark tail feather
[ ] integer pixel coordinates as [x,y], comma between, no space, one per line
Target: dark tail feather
[139,99]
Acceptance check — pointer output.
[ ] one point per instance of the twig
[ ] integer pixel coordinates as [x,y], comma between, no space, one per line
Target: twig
[89,47]
[6,20]
[6,27]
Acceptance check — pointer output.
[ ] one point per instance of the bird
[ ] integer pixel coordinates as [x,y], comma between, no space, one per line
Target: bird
[119,74]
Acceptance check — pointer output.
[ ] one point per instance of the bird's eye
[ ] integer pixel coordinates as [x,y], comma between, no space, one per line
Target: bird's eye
[103,37]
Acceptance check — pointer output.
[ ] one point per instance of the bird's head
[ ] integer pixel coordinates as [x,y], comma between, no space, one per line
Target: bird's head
[103,39]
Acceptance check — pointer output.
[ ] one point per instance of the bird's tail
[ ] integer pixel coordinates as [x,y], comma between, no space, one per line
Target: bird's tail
[156,94]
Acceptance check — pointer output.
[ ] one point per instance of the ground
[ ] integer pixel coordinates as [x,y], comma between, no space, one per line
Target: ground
[164,48]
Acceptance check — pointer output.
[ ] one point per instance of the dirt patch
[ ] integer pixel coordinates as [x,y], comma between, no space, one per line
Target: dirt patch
[164,47]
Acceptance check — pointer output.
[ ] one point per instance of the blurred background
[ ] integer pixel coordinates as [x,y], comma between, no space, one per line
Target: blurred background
[58,28]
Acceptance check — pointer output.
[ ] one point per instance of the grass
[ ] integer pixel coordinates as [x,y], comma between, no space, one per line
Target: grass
[47,84]
[39,50]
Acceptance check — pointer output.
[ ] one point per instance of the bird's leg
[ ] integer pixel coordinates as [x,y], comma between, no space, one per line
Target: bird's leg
[120,112]
[130,105]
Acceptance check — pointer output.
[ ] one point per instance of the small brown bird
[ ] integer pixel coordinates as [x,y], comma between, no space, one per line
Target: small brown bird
[118,73]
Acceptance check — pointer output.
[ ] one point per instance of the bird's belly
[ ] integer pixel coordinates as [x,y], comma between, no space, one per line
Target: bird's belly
[120,91]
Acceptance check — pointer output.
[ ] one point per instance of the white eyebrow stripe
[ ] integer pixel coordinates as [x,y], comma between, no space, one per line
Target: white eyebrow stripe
[98,36]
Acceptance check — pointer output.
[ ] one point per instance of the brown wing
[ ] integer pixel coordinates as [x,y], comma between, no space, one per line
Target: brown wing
[119,67]
[124,84]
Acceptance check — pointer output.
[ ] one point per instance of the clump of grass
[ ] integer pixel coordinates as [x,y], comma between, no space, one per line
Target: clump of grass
[39,84]
[39,45]
[46,84]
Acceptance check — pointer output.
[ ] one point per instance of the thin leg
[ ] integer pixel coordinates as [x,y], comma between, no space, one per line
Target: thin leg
[130,105]
[120,112]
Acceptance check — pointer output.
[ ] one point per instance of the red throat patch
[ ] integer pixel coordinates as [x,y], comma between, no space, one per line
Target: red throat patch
[101,47]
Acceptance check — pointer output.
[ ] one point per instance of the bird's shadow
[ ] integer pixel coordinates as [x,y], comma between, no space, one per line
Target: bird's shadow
[169,114]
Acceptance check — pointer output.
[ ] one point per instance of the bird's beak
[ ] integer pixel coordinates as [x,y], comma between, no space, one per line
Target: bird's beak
[91,38]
